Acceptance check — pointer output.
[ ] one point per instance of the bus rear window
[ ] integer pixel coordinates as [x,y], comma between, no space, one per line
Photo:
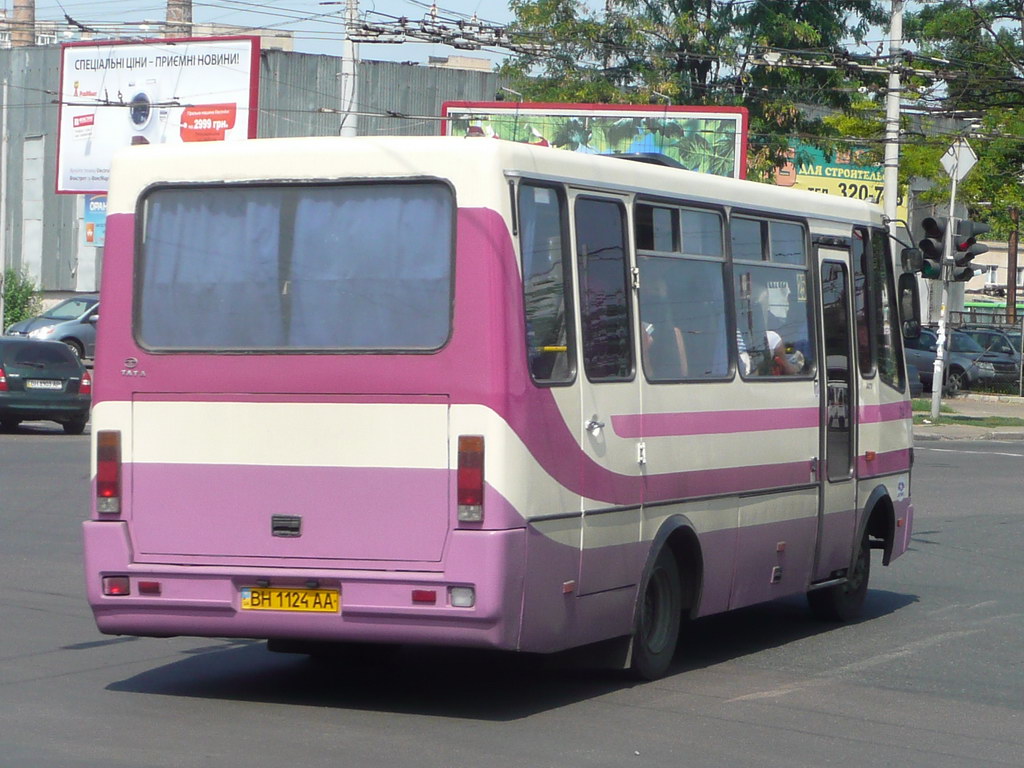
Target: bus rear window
[346,267]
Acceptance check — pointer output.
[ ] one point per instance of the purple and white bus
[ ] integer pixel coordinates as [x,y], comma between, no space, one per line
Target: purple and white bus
[468,392]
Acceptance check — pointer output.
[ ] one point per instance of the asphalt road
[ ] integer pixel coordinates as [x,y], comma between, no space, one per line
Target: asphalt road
[933,676]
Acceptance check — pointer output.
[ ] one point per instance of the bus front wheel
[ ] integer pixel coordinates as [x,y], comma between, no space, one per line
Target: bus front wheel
[658,618]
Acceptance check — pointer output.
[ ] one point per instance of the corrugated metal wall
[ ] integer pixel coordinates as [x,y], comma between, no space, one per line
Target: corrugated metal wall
[299,96]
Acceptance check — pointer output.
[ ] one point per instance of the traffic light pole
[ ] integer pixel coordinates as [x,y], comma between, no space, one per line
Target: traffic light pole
[947,274]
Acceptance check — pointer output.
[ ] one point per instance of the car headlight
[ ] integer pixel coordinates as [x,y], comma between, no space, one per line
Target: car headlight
[987,367]
[43,333]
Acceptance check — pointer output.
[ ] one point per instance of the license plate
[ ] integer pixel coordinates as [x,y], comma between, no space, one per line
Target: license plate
[43,384]
[276,599]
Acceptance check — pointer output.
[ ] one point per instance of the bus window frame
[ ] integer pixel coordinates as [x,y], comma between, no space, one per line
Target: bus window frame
[139,261]
[810,268]
[575,197]
[679,206]
[569,288]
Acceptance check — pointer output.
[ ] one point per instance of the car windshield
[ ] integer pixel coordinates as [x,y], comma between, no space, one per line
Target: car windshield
[961,342]
[1014,339]
[69,310]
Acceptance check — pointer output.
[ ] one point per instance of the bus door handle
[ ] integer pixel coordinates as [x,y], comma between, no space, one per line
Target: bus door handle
[814,468]
[594,426]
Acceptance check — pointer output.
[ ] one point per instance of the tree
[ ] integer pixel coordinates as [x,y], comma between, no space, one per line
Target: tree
[698,52]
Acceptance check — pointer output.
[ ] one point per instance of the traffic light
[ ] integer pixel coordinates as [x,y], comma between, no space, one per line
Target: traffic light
[966,247]
[933,247]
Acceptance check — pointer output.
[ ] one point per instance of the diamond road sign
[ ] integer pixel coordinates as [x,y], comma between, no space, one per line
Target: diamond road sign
[959,159]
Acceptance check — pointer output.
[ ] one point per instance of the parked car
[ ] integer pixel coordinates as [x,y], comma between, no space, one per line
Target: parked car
[996,340]
[73,321]
[42,380]
[914,380]
[968,365]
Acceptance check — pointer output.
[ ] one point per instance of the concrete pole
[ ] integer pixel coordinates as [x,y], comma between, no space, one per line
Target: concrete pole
[349,83]
[1011,268]
[3,199]
[179,18]
[23,28]
[890,179]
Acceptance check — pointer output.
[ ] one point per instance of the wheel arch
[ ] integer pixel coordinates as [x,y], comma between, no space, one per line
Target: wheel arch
[879,520]
[679,534]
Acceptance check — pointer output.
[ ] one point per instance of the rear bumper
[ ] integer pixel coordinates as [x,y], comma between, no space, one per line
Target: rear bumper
[376,606]
[17,406]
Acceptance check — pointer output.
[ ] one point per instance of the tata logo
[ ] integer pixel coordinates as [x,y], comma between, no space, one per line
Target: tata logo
[131,368]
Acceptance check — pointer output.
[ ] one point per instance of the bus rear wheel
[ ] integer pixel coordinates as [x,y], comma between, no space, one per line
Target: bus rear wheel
[844,602]
[659,614]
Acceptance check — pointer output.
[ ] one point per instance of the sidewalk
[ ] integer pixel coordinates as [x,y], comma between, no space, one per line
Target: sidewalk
[980,407]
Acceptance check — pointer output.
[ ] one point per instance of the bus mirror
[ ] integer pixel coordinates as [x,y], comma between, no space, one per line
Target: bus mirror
[913,259]
[910,305]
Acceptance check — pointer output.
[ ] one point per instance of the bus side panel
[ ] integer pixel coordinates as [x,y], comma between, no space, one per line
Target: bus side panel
[554,616]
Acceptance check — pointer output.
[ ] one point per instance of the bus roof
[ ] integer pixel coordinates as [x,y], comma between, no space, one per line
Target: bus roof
[459,159]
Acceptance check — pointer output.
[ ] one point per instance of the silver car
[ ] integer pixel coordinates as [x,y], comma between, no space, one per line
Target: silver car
[73,321]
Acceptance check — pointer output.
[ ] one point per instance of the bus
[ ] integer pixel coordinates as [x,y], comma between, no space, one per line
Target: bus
[468,392]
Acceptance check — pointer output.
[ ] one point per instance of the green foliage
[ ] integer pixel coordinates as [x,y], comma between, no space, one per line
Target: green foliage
[21,301]
[694,52]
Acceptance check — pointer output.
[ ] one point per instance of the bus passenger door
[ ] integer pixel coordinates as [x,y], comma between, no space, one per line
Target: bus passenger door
[838,512]
[611,479]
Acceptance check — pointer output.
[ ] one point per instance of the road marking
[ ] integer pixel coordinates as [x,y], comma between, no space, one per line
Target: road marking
[979,453]
[857,666]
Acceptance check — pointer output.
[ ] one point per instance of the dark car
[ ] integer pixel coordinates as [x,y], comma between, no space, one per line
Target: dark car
[42,380]
[73,321]
[968,365]
[997,340]
[914,380]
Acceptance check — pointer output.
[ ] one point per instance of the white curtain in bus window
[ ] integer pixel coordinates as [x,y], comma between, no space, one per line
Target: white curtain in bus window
[210,270]
[371,267]
[297,267]
[545,302]
[773,320]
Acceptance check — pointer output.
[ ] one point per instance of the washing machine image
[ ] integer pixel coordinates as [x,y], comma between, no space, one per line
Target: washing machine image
[148,120]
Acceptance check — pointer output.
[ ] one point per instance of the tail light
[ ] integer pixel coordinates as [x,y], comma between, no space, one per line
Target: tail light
[3,380]
[471,478]
[108,472]
[85,388]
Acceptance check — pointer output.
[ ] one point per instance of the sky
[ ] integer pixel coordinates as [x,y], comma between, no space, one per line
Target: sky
[318,26]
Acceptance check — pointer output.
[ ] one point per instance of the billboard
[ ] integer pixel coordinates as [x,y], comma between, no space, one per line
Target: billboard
[844,173]
[118,94]
[706,139]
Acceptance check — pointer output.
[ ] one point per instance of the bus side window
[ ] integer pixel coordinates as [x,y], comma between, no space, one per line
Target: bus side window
[546,297]
[604,296]
[773,308]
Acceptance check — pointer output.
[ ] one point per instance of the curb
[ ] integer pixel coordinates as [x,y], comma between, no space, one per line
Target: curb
[976,433]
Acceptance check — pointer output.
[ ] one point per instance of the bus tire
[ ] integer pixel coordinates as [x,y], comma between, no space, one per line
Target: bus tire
[844,602]
[658,616]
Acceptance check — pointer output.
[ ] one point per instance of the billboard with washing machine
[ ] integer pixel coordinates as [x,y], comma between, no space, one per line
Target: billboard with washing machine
[117,94]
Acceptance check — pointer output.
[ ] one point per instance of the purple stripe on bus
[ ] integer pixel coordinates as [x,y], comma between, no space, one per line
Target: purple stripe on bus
[487,350]
[714,422]
[885,463]
[874,414]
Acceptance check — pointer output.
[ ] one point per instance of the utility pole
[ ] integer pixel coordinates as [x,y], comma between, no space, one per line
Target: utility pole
[179,18]
[23,30]
[1011,268]
[890,178]
[3,200]
[349,85]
